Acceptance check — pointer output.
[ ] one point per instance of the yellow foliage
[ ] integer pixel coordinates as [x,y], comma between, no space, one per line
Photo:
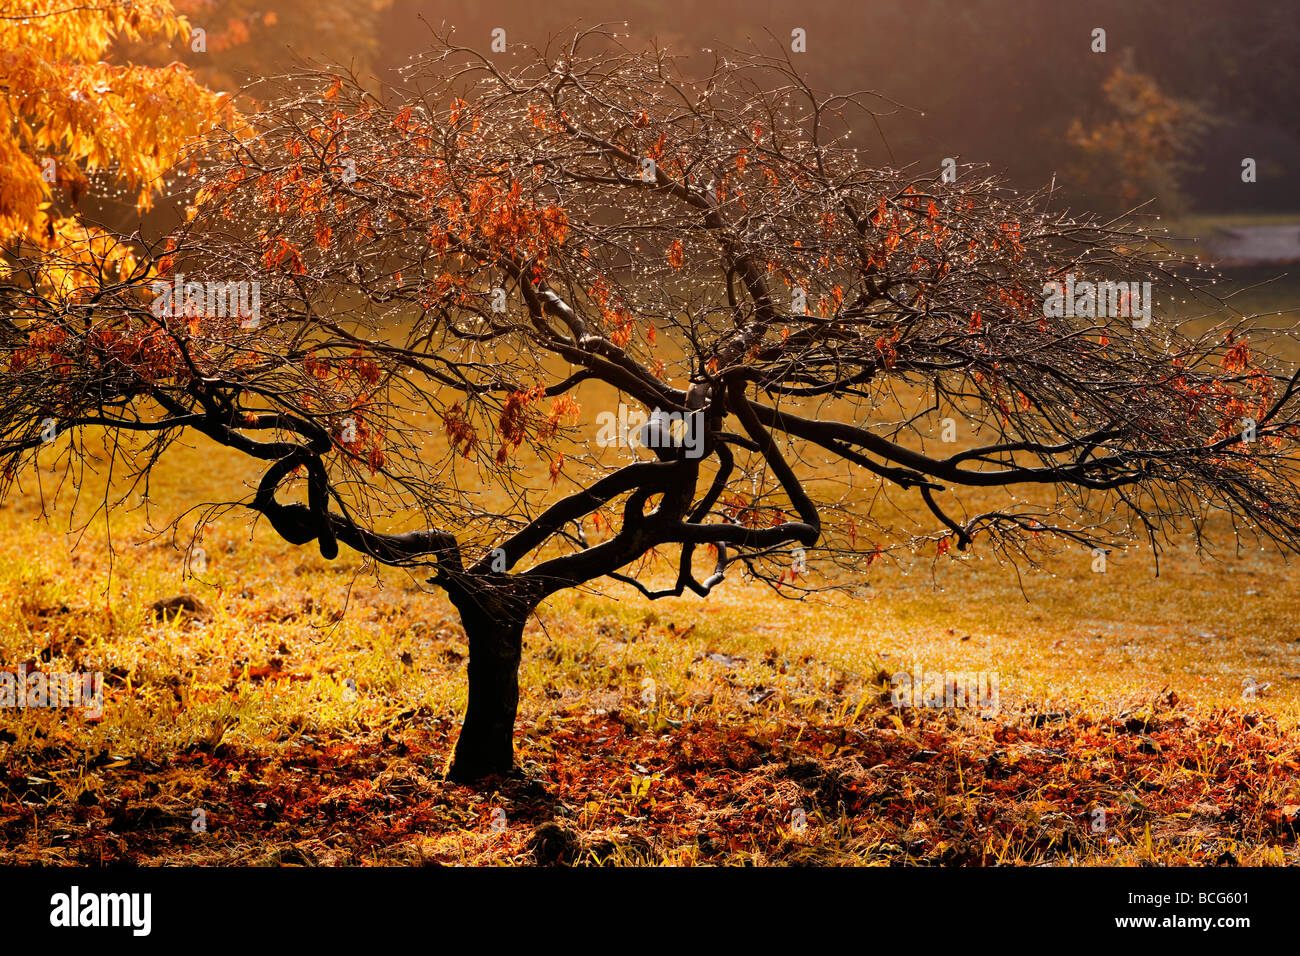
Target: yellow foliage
[68,111]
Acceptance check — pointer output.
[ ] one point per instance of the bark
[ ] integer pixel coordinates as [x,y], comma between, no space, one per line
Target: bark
[495,631]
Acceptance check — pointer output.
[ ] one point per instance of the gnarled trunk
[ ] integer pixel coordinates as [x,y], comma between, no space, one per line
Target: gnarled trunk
[495,631]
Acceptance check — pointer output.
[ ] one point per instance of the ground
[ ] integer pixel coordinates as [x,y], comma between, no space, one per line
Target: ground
[309,713]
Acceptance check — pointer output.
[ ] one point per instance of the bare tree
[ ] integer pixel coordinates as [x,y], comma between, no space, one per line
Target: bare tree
[438,276]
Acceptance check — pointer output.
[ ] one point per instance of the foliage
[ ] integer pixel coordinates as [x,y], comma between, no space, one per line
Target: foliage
[68,113]
[1137,151]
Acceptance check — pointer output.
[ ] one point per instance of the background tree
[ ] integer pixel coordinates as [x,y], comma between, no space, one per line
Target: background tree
[68,114]
[995,82]
[1137,149]
[246,39]
[451,278]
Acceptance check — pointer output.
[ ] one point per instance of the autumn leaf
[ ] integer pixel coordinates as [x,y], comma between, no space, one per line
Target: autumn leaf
[675,254]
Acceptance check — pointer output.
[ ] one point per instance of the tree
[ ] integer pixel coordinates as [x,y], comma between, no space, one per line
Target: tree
[1139,151]
[68,113]
[436,285]
[244,39]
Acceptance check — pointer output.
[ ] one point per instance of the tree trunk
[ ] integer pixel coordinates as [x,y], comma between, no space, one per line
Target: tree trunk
[487,740]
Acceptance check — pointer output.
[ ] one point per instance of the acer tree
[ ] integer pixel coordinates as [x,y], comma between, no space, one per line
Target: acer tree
[451,282]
